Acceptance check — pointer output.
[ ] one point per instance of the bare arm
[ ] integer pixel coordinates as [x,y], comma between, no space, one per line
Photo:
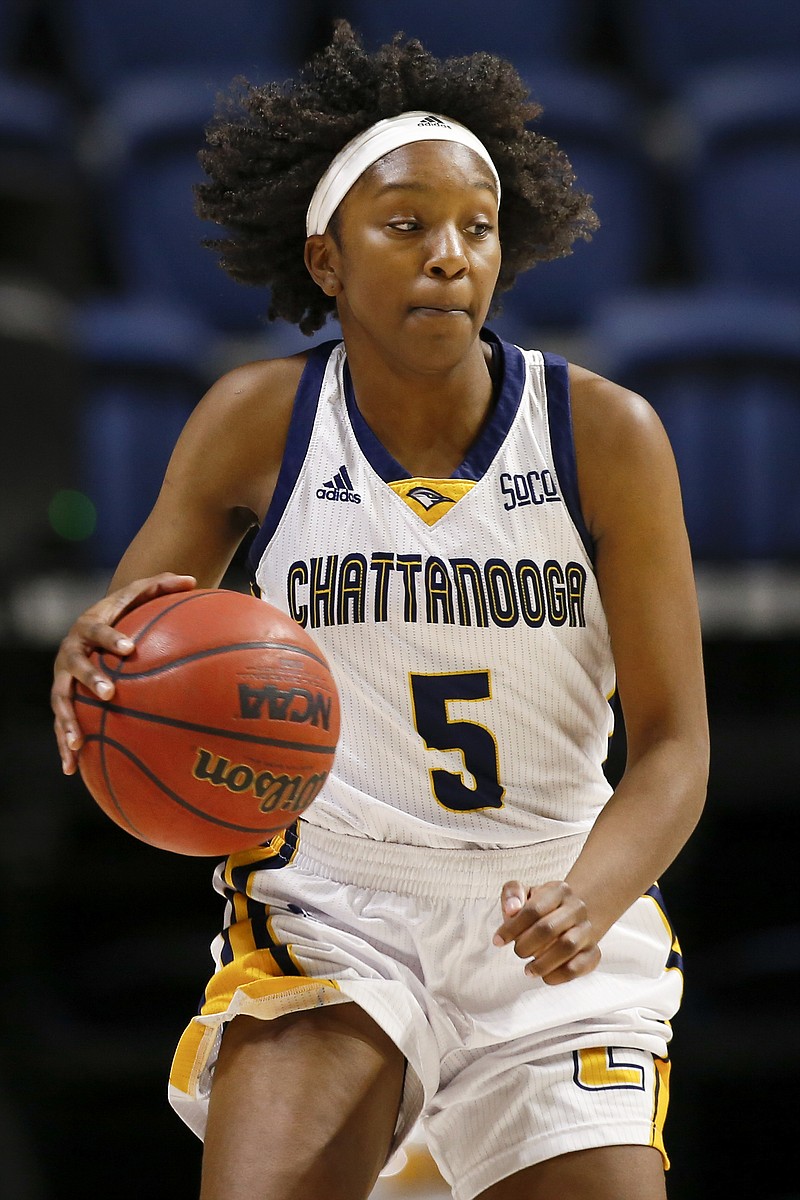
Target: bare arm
[218,484]
[631,500]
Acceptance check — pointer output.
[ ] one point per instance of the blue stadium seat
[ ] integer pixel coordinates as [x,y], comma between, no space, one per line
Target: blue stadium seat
[743,176]
[146,366]
[538,30]
[153,130]
[669,40]
[722,369]
[104,42]
[594,120]
[36,119]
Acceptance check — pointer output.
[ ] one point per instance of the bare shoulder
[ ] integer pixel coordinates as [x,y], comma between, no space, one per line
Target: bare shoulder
[604,411]
[621,447]
[261,392]
[238,431]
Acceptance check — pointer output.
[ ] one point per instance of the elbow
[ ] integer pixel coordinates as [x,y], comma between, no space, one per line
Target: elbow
[698,764]
[680,764]
[691,758]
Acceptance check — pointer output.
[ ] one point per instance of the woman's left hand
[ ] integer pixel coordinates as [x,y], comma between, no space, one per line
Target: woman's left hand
[549,925]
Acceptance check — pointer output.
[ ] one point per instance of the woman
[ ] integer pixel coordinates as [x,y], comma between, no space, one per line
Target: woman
[466,926]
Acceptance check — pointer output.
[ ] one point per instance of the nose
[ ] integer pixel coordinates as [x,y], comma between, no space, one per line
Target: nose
[446,258]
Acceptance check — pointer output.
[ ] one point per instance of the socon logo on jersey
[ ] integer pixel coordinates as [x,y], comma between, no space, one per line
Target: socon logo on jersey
[534,487]
[339,488]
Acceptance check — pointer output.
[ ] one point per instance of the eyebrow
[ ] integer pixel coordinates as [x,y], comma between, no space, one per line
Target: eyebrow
[413,186]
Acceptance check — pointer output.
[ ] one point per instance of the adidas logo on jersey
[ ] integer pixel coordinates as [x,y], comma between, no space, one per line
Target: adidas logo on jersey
[339,488]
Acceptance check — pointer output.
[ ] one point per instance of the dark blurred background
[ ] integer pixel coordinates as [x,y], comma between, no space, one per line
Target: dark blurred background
[682,118]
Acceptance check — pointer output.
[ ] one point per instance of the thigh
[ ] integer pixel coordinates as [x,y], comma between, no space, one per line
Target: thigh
[603,1173]
[302,1105]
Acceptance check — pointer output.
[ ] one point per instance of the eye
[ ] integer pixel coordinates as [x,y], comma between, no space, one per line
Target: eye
[404,226]
[479,228]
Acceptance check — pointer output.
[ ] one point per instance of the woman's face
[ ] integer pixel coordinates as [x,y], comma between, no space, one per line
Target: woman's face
[417,254]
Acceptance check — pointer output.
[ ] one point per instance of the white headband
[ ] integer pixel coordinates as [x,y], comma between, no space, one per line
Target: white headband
[353,159]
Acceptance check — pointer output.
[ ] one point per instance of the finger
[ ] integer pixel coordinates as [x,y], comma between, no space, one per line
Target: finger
[512,898]
[569,947]
[581,964]
[68,731]
[548,930]
[538,903]
[74,663]
[64,736]
[115,605]
[77,662]
[94,630]
[140,591]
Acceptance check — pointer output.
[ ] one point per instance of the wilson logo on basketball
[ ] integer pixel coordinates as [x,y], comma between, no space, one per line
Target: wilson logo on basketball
[285,704]
[285,793]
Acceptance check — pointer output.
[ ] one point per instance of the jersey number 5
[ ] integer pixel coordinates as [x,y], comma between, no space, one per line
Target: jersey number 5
[430,697]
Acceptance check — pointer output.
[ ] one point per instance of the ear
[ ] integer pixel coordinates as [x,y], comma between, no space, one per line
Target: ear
[320,259]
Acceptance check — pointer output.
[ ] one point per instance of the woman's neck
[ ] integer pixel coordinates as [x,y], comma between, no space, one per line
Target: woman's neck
[427,423]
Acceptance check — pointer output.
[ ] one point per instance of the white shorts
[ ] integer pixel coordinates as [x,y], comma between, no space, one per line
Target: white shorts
[503,1070]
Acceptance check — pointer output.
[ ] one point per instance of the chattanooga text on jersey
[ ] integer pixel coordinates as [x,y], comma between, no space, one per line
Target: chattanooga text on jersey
[340,589]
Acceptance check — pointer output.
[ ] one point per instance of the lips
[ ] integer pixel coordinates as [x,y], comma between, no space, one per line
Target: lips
[445,300]
[439,310]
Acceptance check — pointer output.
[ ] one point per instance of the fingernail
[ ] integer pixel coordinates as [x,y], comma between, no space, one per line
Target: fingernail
[497,940]
[104,687]
[513,904]
[124,644]
[72,740]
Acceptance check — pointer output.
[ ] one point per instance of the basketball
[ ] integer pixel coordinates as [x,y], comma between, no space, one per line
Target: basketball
[222,728]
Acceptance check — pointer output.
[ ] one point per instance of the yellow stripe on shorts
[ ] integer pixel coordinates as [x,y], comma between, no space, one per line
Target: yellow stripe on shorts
[660,1105]
[231,992]
[260,975]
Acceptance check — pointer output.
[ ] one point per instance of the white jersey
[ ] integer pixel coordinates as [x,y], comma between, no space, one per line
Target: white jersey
[461,617]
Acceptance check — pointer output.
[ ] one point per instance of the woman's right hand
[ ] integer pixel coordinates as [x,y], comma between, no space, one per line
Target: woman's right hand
[94,630]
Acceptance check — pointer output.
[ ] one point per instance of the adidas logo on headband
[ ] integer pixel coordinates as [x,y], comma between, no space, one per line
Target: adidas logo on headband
[434,121]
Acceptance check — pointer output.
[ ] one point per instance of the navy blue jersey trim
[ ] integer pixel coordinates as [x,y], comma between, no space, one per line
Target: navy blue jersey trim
[559,412]
[481,455]
[511,372]
[384,464]
[300,426]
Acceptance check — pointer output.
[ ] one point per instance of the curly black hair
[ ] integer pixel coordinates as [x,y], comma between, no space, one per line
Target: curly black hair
[268,145]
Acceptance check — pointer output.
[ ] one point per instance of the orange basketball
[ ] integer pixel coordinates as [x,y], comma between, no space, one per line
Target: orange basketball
[222,728]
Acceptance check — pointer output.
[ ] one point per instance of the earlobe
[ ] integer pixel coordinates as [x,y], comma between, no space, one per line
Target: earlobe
[330,284]
[318,263]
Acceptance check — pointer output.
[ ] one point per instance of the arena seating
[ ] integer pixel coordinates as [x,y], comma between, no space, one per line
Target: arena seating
[742,175]
[517,29]
[668,41]
[594,119]
[145,366]
[722,369]
[105,42]
[144,171]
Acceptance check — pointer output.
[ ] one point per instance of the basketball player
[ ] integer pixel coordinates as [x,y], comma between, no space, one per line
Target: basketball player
[466,928]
